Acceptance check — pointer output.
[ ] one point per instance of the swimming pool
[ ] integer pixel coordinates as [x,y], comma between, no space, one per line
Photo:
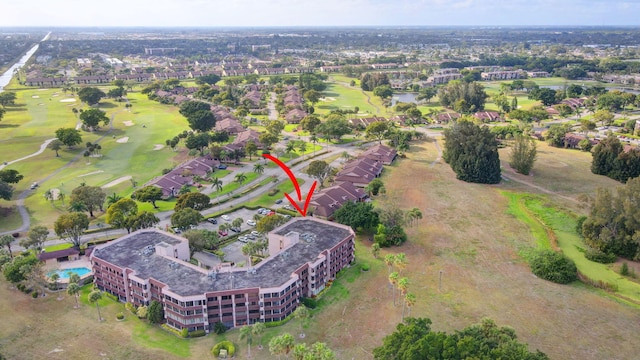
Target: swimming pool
[64,273]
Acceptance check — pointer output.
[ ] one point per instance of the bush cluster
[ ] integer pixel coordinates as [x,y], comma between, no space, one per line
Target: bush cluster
[120,316]
[553,266]
[600,256]
[225,344]
[197,333]
[309,303]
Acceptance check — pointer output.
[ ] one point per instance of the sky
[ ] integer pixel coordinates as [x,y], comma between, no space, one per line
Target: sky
[258,13]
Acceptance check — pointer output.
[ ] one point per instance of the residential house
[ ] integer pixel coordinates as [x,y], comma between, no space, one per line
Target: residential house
[328,200]
[487,116]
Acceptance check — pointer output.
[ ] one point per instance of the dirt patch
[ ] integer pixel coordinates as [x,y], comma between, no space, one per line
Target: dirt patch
[128,123]
[117,181]
[123,140]
[67,100]
[158,147]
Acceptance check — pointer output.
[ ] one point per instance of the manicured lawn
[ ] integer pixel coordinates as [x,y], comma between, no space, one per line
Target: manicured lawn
[57,247]
[232,186]
[344,97]
[154,337]
[267,201]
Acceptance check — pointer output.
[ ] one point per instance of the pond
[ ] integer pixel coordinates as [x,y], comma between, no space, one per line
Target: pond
[404,97]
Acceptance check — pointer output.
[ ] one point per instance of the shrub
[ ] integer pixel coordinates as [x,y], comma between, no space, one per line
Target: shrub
[34,294]
[364,267]
[624,270]
[553,266]
[274,191]
[20,287]
[131,308]
[599,256]
[197,333]
[184,333]
[219,328]
[166,171]
[225,344]
[309,302]
[120,316]
[579,223]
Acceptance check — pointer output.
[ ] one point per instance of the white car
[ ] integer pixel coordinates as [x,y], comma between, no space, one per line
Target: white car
[225,217]
[251,223]
[255,233]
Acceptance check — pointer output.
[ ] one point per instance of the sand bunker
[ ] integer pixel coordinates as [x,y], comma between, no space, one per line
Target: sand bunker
[123,140]
[54,95]
[158,147]
[91,173]
[36,97]
[128,123]
[55,194]
[68,100]
[328,98]
[117,181]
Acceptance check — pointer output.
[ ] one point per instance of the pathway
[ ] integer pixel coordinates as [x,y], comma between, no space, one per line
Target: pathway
[273,114]
[42,149]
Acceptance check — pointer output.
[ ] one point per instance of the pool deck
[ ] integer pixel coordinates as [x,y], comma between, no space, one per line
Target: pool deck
[83,262]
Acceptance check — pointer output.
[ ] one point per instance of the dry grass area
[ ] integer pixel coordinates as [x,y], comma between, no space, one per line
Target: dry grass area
[465,233]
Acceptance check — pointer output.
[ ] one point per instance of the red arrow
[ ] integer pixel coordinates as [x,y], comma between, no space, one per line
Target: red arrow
[284,167]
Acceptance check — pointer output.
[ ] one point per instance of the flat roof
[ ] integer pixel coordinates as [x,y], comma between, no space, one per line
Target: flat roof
[184,280]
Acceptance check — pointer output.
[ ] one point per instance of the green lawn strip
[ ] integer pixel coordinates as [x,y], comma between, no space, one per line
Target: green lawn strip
[57,247]
[163,205]
[340,97]
[232,186]
[518,209]
[267,200]
[154,337]
[11,218]
[572,246]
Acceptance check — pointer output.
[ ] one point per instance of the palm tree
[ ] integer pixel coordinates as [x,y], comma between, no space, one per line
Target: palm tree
[73,277]
[112,199]
[281,345]
[258,168]
[301,313]
[237,222]
[302,146]
[389,259]
[77,206]
[403,285]
[48,195]
[6,240]
[400,261]
[240,178]
[224,155]
[375,250]
[314,140]
[61,196]
[393,280]
[73,289]
[94,297]
[257,330]
[55,277]
[247,333]
[290,148]
[409,300]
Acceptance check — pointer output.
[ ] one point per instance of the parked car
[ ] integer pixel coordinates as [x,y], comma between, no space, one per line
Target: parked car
[270,213]
[235,229]
[279,201]
[222,233]
[33,186]
[251,223]
[286,216]
[222,167]
[225,217]
[249,236]
[288,207]
[243,239]
[212,220]
[255,233]
[176,230]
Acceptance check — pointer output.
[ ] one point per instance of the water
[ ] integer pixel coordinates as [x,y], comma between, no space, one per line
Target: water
[404,97]
[63,273]
[6,77]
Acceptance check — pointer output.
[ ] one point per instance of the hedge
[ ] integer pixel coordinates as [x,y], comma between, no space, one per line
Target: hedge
[279,322]
[225,344]
[599,256]
[197,333]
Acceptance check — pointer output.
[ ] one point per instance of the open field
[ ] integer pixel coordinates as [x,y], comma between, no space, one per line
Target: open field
[467,233]
[339,95]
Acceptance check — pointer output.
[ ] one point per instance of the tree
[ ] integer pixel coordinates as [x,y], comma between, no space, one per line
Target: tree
[71,226]
[258,168]
[10,176]
[6,191]
[289,148]
[258,329]
[556,133]
[112,199]
[240,178]
[472,152]
[195,200]
[268,223]
[69,136]
[198,141]
[184,218]
[143,220]
[604,117]
[605,155]
[155,313]
[119,213]
[375,250]
[6,240]
[7,98]
[302,147]
[472,95]
[210,79]
[334,127]
[55,145]
[383,91]
[377,130]
[393,280]
[320,170]
[91,95]
[403,285]
[281,345]
[267,139]
[357,215]
[251,148]
[148,194]
[553,266]
[409,302]
[142,312]
[2,112]
[36,237]
[545,95]
[523,154]
[247,333]
[73,289]
[413,339]
[310,122]
[91,118]
[237,223]
[91,196]
[301,313]
[312,96]
[94,297]
[374,186]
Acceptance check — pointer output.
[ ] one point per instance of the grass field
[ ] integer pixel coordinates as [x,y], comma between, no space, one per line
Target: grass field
[340,95]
